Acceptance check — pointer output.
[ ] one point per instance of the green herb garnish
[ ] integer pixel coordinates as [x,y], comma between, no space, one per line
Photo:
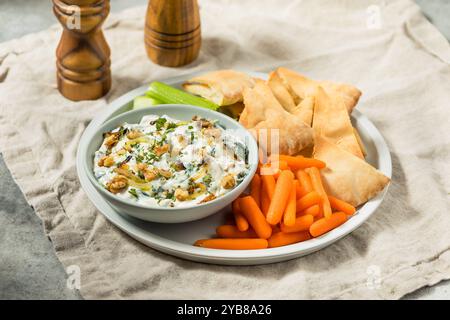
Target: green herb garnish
[133,192]
[207,179]
[171,195]
[159,123]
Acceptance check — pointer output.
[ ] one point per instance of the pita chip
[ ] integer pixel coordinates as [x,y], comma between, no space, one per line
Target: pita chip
[348,93]
[264,112]
[306,109]
[301,107]
[360,143]
[301,87]
[347,177]
[223,87]
[332,121]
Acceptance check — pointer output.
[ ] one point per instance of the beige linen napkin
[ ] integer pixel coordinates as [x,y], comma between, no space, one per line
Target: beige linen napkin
[386,48]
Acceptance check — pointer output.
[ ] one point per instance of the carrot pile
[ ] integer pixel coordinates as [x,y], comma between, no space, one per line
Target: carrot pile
[287,204]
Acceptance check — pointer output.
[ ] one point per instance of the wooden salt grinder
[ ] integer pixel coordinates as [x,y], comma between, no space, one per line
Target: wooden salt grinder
[83,56]
[172,32]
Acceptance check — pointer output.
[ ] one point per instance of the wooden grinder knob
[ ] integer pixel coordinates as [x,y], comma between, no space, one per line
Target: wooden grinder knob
[83,56]
[172,32]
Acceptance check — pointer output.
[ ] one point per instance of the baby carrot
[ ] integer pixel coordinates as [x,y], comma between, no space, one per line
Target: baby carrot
[255,217]
[313,210]
[227,231]
[300,162]
[241,222]
[232,244]
[290,211]
[239,219]
[268,184]
[299,191]
[302,223]
[280,197]
[275,166]
[307,201]
[319,216]
[282,165]
[278,167]
[324,225]
[265,202]
[340,205]
[282,239]
[318,187]
[255,189]
[304,180]
[199,243]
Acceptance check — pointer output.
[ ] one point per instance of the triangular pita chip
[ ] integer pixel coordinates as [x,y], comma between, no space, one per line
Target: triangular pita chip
[263,111]
[305,110]
[223,87]
[360,143]
[302,107]
[332,121]
[301,87]
[347,177]
[281,92]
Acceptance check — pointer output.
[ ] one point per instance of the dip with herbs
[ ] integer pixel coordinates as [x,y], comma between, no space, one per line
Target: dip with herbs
[170,163]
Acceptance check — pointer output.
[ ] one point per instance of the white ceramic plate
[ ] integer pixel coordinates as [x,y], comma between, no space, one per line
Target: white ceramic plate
[177,239]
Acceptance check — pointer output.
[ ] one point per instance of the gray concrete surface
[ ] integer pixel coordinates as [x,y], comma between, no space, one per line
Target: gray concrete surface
[29,268]
[438,12]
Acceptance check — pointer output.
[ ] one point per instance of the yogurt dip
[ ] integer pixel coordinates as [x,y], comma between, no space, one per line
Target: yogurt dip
[170,163]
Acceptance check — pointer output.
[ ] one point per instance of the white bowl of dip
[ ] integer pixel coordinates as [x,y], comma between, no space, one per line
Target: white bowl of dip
[150,210]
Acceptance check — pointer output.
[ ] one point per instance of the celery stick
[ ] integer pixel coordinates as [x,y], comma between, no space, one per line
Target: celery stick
[144,102]
[168,94]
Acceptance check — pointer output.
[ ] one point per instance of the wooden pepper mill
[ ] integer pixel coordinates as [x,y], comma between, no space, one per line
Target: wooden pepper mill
[83,56]
[172,32]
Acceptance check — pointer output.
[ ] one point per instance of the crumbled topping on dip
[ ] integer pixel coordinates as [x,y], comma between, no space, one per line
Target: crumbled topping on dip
[169,162]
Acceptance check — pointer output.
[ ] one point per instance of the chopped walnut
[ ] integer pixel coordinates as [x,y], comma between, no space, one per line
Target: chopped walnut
[111,140]
[161,150]
[149,174]
[228,181]
[165,173]
[134,134]
[124,166]
[178,166]
[181,194]
[142,166]
[101,161]
[205,123]
[117,184]
[209,197]
[106,161]
[121,152]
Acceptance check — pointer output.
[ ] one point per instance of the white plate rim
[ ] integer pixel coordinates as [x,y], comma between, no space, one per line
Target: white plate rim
[217,256]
